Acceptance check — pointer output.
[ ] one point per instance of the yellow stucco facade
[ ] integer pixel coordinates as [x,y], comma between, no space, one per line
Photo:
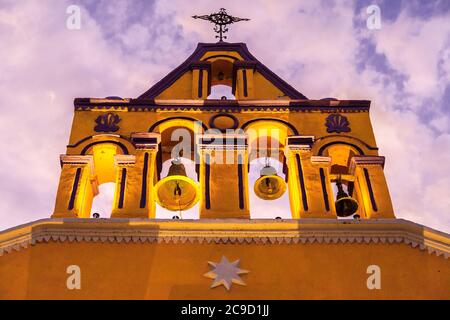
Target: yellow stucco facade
[313,255]
[295,259]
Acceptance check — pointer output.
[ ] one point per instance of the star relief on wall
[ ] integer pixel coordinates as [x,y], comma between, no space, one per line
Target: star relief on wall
[225,273]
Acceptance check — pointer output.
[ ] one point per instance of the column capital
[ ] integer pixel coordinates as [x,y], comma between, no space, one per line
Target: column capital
[366,161]
[146,140]
[77,160]
[320,160]
[124,159]
[297,143]
[222,142]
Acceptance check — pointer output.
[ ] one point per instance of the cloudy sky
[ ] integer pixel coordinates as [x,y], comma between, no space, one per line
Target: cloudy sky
[323,48]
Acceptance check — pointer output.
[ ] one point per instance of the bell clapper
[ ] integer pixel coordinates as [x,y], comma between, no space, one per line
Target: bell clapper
[269,185]
[177,191]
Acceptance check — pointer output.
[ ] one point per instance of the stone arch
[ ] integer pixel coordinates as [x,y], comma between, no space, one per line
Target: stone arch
[323,143]
[176,121]
[166,127]
[291,127]
[103,149]
[341,150]
[90,146]
[84,146]
[272,133]
[221,70]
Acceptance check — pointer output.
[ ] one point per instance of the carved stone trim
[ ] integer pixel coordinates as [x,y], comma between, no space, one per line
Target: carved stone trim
[321,160]
[297,143]
[338,123]
[366,161]
[78,160]
[146,140]
[124,159]
[229,231]
[107,122]
[229,142]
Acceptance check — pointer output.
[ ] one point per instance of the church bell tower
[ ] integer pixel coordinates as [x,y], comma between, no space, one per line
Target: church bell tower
[325,146]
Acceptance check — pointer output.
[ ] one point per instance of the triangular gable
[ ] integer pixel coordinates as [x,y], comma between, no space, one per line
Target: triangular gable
[204,48]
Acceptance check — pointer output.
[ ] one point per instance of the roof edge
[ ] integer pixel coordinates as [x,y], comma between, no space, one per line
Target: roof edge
[157,104]
[227,231]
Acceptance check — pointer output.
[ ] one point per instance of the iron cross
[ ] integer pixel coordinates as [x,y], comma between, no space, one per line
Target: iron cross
[221,20]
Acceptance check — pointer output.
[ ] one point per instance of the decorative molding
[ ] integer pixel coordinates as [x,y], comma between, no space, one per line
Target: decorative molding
[222,142]
[281,105]
[107,122]
[337,123]
[146,140]
[78,160]
[366,161]
[124,159]
[227,231]
[321,160]
[212,121]
[296,143]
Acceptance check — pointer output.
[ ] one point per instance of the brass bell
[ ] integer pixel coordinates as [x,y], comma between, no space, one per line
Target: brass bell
[177,191]
[269,186]
[345,205]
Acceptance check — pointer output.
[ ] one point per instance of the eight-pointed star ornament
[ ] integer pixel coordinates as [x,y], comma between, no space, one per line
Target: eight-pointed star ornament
[225,272]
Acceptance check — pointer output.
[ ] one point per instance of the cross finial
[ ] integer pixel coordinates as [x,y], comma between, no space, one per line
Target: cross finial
[221,20]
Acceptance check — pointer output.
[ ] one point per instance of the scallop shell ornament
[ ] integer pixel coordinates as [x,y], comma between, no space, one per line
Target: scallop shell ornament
[337,123]
[107,122]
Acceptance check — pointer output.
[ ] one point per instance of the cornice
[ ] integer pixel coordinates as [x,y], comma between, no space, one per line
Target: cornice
[151,105]
[230,231]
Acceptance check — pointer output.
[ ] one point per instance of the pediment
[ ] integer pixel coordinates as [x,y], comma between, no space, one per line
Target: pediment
[219,63]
